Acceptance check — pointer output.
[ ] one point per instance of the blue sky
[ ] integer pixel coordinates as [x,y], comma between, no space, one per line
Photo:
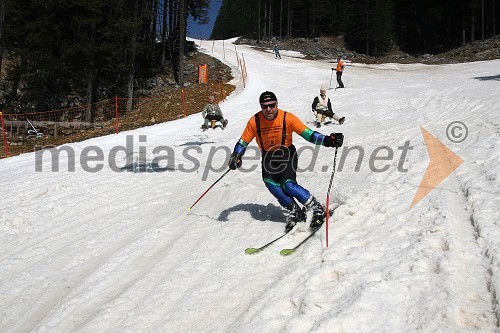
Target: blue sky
[196,30]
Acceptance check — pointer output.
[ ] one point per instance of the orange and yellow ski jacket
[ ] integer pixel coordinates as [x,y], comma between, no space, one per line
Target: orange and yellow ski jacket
[275,133]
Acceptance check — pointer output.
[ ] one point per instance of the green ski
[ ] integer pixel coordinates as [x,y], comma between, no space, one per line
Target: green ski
[253,250]
[286,252]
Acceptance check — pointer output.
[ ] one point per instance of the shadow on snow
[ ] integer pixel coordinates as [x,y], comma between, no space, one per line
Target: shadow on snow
[257,212]
[488,78]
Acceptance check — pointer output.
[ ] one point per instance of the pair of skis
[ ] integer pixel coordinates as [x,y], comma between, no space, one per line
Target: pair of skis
[284,252]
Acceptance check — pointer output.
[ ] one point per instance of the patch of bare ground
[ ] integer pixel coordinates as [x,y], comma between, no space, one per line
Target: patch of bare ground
[329,48]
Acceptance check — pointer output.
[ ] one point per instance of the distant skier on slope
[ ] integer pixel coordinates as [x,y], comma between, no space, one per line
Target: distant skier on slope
[212,114]
[273,129]
[276,50]
[339,70]
[322,108]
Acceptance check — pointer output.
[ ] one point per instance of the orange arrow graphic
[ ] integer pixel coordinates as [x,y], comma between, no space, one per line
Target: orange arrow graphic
[442,163]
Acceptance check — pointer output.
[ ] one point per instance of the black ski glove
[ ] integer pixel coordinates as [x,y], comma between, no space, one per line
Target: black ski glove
[333,140]
[234,161]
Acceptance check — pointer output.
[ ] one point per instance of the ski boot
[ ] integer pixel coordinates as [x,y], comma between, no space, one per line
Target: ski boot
[318,213]
[295,214]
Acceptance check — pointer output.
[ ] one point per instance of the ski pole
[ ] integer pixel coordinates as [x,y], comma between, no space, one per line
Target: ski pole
[330,85]
[208,189]
[328,194]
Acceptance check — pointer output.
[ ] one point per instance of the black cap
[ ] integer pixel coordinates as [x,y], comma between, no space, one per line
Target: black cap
[267,96]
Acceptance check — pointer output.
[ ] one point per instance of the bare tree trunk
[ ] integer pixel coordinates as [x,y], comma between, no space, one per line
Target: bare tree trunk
[494,14]
[367,27]
[482,19]
[334,13]
[463,24]
[91,74]
[2,23]
[463,33]
[17,74]
[472,24]
[171,14]
[258,28]
[164,35]
[270,19]
[182,39]
[312,21]
[154,31]
[289,21]
[264,33]
[281,16]
[90,90]
[131,62]
[174,37]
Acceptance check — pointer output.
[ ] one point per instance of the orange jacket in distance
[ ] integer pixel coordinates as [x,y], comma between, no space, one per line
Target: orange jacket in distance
[340,66]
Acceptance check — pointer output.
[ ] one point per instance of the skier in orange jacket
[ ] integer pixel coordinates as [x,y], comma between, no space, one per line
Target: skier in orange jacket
[273,129]
[339,71]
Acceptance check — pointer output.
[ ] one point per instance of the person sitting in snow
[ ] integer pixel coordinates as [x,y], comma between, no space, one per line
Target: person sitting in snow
[212,114]
[322,108]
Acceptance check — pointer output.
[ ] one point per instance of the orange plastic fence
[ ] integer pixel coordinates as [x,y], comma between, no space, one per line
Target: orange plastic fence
[85,116]
[108,114]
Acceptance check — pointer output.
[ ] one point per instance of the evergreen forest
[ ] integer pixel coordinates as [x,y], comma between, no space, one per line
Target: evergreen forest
[51,50]
[372,27]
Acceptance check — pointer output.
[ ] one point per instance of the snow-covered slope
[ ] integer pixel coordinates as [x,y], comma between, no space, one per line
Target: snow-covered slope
[111,251]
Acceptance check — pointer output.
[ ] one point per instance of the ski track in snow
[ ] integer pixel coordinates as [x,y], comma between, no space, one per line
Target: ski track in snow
[118,252]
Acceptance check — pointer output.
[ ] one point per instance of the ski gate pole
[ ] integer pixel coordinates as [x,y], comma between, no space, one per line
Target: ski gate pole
[328,194]
[208,189]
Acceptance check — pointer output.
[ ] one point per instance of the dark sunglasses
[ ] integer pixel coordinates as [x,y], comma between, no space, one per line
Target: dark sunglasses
[264,107]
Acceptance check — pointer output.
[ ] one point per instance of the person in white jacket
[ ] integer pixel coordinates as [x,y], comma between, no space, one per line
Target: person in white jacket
[322,108]
[212,114]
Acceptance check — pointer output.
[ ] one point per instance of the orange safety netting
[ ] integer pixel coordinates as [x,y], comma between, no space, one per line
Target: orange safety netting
[104,117]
